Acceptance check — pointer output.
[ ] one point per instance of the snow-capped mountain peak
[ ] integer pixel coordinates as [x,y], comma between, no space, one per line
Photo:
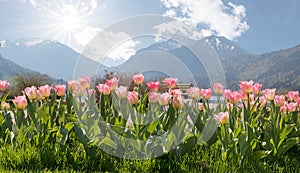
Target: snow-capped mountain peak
[224,47]
[45,56]
[2,43]
[30,42]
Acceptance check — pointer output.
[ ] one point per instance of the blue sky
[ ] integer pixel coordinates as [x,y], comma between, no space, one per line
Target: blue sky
[256,25]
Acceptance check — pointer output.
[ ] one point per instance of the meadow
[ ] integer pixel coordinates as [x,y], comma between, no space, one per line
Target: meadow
[79,127]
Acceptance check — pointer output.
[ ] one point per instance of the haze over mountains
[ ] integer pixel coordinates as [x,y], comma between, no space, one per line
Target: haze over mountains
[45,56]
[278,69]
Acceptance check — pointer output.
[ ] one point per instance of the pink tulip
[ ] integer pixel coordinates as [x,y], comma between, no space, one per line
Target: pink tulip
[84,82]
[174,92]
[20,102]
[100,88]
[31,92]
[153,86]
[279,100]
[218,88]
[60,90]
[3,85]
[283,109]
[232,96]
[243,95]
[222,117]
[78,90]
[153,97]
[252,97]
[106,89]
[113,83]
[257,88]
[177,101]
[226,91]
[200,106]
[39,95]
[121,92]
[71,85]
[291,107]
[262,101]
[194,93]
[269,94]
[164,98]
[205,93]
[133,97]
[246,86]
[170,82]
[138,79]
[293,96]
[90,92]
[45,91]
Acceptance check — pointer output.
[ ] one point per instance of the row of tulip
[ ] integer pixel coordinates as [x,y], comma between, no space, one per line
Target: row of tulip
[251,122]
[289,102]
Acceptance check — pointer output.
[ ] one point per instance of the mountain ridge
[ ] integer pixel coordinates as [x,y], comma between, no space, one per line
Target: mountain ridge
[45,56]
[274,69]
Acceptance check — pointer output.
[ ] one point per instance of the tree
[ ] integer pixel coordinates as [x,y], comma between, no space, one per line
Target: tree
[23,80]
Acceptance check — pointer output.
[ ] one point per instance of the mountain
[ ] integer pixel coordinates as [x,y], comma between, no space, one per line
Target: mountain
[226,49]
[208,50]
[45,56]
[279,69]
[9,69]
[165,59]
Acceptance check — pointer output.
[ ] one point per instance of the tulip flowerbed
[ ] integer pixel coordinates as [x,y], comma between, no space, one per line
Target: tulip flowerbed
[69,128]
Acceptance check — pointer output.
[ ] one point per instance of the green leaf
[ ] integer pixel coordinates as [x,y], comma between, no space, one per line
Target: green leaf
[109,142]
[77,107]
[136,144]
[257,155]
[8,120]
[287,145]
[285,132]
[170,141]
[153,126]
[186,146]
[274,146]
[224,155]
[81,134]
[243,143]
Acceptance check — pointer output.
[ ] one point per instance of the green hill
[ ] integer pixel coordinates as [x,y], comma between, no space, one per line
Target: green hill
[278,69]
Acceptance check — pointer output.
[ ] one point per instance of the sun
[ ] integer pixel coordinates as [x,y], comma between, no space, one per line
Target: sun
[69,20]
[66,22]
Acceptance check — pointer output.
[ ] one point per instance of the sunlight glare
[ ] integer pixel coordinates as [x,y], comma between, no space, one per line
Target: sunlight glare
[69,19]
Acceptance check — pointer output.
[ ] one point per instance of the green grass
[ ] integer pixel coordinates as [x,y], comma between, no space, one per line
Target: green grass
[200,159]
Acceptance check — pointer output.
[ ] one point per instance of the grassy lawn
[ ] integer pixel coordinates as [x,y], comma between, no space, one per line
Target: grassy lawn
[200,159]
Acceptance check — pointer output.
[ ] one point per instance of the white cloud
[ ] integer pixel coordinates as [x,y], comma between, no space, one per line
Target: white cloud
[98,45]
[177,29]
[86,6]
[213,15]
[105,44]
[94,4]
[32,42]
[124,51]
[84,36]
